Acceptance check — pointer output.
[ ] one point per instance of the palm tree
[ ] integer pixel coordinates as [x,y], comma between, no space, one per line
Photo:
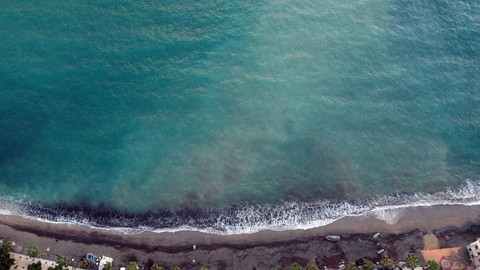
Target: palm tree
[296,266]
[85,264]
[432,265]
[411,261]
[33,251]
[312,266]
[35,266]
[108,266]
[62,261]
[176,267]
[156,267]
[368,265]
[132,266]
[350,266]
[387,262]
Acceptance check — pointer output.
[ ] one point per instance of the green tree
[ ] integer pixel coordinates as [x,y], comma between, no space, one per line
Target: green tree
[35,266]
[6,260]
[62,261]
[33,251]
[156,267]
[387,262]
[350,266]
[411,261]
[368,265]
[312,266]
[132,266]
[203,268]
[108,266]
[176,267]
[86,264]
[432,265]
[7,245]
[296,266]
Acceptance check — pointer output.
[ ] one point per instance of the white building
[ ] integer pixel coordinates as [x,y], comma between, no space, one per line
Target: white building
[103,261]
[474,253]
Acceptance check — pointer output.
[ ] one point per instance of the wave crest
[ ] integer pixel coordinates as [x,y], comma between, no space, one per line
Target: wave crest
[239,219]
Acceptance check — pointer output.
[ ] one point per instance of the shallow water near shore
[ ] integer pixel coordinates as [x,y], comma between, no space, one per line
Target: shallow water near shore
[237,116]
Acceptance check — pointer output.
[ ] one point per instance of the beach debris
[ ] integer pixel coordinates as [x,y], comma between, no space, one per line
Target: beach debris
[193,261]
[48,249]
[333,238]
[194,247]
[376,235]
[380,251]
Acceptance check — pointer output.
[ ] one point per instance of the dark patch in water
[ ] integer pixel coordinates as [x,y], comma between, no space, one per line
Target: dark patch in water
[102,216]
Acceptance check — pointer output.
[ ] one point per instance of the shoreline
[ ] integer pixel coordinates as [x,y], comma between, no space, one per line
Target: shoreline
[176,247]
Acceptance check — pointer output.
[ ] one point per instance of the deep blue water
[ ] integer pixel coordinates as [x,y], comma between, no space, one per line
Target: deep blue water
[144,106]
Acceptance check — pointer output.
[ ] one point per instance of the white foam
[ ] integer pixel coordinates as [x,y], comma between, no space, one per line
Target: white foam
[289,215]
[390,216]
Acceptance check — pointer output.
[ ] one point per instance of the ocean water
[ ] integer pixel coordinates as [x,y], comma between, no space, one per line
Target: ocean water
[233,115]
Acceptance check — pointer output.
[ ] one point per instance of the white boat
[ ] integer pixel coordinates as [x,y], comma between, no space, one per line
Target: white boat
[333,238]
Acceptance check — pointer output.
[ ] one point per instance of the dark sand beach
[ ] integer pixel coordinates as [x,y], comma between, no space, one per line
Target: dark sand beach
[260,250]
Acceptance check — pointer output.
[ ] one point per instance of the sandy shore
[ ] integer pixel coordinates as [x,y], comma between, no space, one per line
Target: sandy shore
[252,251]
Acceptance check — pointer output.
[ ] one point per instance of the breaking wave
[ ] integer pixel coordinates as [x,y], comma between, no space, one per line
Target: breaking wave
[240,219]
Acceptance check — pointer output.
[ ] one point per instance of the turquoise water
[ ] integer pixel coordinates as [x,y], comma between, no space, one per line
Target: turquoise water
[156,105]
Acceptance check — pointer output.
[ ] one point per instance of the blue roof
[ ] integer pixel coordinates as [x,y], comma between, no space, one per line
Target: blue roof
[90,257]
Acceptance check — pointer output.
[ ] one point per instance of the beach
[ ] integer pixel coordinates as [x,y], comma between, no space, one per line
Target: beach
[238,134]
[260,250]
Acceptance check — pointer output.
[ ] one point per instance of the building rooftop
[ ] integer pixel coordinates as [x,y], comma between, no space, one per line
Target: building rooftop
[454,258]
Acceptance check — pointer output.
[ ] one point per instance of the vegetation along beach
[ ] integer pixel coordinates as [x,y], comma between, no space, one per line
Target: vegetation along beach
[239,134]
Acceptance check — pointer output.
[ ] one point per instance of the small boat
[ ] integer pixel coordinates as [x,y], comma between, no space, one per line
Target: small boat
[333,238]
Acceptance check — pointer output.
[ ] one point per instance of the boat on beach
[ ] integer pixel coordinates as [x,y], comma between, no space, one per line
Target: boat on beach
[333,238]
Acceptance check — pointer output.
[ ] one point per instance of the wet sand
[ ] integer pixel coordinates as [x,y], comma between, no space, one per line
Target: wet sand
[260,250]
